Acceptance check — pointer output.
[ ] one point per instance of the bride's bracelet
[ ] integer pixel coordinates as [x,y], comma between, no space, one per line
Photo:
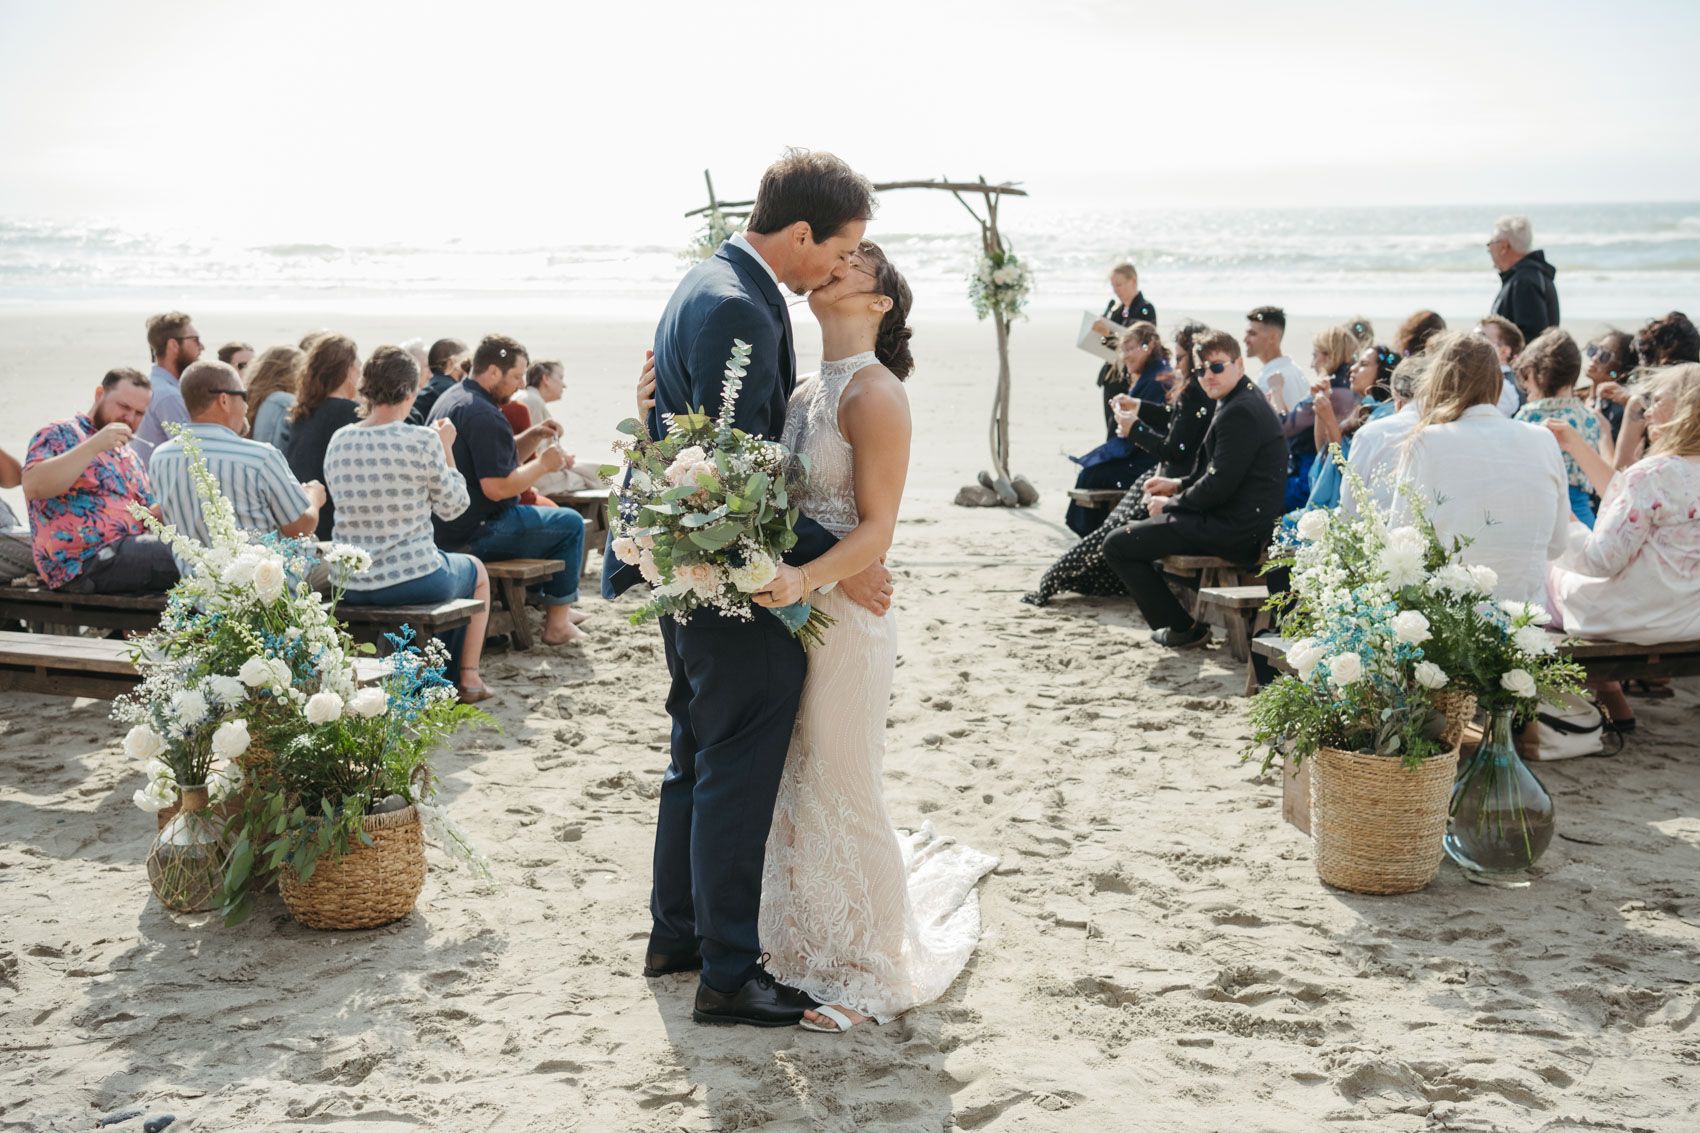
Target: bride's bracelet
[807,586]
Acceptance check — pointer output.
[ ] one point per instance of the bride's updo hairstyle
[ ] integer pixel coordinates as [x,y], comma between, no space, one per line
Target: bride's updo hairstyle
[891,347]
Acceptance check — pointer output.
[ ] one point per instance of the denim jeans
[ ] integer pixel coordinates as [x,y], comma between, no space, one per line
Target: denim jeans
[1582,505]
[523,532]
[456,576]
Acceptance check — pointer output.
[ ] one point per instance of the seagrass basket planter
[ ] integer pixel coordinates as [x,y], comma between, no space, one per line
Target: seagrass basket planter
[1375,825]
[368,886]
[1459,708]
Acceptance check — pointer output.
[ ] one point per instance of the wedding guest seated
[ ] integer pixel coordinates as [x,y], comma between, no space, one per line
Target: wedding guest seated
[1376,448]
[1227,506]
[1636,576]
[79,478]
[254,477]
[1332,352]
[1668,341]
[416,350]
[174,345]
[1507,343]
[1175,444]
[1371,379]
[1415,332]
[1280,379]
[444,359]
[1548,369]
[390,479]
[324,403]
[1499,484]
[1117,463]
[1610,360]
[545,382]
[1362,330]
[17,554]
[518,417]
[1128,307]
[237,355]
[496,526]
[272,382]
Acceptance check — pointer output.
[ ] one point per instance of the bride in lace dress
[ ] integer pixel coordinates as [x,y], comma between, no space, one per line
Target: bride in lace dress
[865,919]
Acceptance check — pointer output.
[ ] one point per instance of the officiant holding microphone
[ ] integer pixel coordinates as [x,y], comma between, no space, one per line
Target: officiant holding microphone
[1128,307]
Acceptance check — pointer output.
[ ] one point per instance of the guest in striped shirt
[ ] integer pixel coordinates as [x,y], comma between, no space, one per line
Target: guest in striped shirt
[254,477]
[389,478]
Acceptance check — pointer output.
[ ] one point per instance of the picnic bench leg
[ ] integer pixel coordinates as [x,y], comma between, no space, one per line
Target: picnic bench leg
[512,593]
[1239,633]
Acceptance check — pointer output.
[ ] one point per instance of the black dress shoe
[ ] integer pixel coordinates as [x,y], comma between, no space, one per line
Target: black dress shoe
[1179,637]
[666,963]
[762,1001]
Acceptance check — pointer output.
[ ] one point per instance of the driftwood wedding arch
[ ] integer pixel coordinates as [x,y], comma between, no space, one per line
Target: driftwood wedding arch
[998,486]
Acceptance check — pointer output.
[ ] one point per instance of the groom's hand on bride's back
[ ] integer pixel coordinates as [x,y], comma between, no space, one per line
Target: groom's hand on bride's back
[870,590]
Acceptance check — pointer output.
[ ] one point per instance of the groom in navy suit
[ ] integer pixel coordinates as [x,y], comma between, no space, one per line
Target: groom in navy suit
[736,684]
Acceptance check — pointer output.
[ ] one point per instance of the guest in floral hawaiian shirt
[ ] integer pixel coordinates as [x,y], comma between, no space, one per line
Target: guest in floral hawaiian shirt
[80,478]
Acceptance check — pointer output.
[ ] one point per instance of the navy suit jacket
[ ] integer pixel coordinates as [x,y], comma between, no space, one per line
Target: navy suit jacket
[727,296]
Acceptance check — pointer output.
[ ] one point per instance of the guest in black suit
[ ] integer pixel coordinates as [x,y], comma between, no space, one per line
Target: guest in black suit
[1227,507]
[1128,307]
[736,683]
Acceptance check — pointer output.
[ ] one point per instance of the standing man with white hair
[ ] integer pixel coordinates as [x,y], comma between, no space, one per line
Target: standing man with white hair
[1527,295]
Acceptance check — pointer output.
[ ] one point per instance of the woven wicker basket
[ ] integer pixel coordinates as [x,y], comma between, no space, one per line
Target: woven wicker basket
[1376,826]
[1459,708]
[368,886]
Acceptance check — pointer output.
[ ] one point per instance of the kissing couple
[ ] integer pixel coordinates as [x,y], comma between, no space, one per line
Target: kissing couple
[777,871]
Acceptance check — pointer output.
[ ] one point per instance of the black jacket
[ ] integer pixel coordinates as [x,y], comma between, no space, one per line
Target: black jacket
[1527,295]
[1241,480]
[1176,440]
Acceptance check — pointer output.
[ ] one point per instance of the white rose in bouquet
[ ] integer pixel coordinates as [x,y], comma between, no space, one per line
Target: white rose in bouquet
[230,739]
[758,570]
[1313,524]
[156,796]
[1304,657]
[269,579]
[240,572]
[189,707]
[143,743]
[1430,675]
[1411,627]
[1518,682]
[1345,669]
[646,567]
[323,707]
[370,702]
[626,550]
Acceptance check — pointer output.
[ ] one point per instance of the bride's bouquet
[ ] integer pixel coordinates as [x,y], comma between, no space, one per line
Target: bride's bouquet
[707,512]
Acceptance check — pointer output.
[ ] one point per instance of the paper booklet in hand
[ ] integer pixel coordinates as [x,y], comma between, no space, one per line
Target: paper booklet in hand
[1091,341]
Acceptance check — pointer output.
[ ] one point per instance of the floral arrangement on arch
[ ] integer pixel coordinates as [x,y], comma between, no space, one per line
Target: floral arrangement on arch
[1000,284]
[250,686]
[1386,620]
[717,228]
[708,511]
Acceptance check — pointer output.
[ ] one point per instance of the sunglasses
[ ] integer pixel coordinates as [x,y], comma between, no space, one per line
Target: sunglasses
[186,338]
[1216,367]
[1594,350]
[242,393]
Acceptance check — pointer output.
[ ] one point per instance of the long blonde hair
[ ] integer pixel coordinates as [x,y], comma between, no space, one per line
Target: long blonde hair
[1680,436]
[1463,372]
[278,370]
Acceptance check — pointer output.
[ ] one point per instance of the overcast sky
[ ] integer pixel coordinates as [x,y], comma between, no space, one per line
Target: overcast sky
[360,120]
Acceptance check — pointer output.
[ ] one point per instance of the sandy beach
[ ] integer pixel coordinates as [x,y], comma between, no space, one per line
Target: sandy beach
[1158,954]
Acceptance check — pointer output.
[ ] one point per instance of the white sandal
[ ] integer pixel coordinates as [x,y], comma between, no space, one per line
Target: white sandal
[843,1021]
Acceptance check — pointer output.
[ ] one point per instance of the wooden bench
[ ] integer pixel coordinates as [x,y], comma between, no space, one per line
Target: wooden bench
[39,607]
[1603,660]
[1095,498]
[593,505]
[1191,574]
[1239,608]
[98,667]
[509,580]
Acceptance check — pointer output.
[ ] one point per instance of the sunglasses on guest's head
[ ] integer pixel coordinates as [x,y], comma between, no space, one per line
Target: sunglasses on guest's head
[1216,367]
